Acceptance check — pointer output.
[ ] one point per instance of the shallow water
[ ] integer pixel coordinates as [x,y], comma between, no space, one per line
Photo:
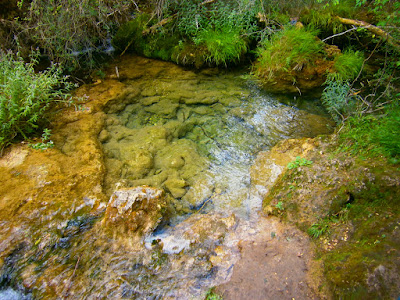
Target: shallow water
[195,135]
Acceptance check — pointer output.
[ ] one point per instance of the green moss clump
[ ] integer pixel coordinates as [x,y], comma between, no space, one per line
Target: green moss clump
[223,45]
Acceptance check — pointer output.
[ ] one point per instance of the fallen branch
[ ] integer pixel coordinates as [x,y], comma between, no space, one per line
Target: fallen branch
[339,34]
[372,28]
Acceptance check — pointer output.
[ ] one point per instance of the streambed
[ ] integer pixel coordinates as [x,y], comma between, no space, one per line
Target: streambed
[193,134]
[196,135]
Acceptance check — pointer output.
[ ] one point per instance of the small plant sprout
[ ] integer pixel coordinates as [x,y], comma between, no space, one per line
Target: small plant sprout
[279,205]
[46,142]
[298,163]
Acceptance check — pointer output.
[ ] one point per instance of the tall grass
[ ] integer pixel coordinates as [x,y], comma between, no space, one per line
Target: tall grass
[223,45]
[371,135]
[290,48]
[348,65]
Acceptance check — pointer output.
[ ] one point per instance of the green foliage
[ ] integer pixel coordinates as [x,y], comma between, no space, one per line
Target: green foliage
[211,295]
[338,100]
[298,162]
[325,18]
[46,143]
[279,205]
[25,95]
[289,49]
[194,16]
[220,29]
[130,34]
[386,12]
[318,229]
[223,45]
[347,65]
[374,135]
[388,132]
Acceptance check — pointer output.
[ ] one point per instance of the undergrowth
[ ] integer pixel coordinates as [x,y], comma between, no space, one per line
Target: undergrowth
[338,100]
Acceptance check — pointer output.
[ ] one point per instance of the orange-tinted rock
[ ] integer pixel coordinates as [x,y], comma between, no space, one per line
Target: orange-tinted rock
[138,209]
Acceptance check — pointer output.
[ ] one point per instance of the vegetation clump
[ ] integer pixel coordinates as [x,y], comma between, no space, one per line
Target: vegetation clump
[26,96]
[290,49]
[223,45]
[347,65]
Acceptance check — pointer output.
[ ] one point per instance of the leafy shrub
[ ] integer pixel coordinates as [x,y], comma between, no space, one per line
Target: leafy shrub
[25,95]
[223,45]
[338,100]
[290,48]
[347,65]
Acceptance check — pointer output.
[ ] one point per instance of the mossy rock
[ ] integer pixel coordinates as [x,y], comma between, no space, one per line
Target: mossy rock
[188,54]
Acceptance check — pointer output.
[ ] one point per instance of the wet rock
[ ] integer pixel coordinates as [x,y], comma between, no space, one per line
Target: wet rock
[136,210]
[203,98]
[150,100]
[138,164]
[201,189]
[14,157]
[182,155]
[203,110]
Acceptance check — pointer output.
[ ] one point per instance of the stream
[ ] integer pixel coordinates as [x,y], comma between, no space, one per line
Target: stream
[195,135]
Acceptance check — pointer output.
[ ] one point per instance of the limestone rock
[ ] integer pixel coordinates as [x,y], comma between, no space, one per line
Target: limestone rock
[135,210]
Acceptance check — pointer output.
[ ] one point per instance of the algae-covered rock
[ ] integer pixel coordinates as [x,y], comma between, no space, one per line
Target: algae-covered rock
[135,210]
[164,107]
[201,189]
[176,187]
[181,154]
[138,164]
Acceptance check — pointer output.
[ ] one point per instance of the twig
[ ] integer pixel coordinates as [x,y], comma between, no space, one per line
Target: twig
[72,276]
[338,34]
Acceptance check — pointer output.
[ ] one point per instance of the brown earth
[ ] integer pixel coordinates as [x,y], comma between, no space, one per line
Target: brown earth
[275,264]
